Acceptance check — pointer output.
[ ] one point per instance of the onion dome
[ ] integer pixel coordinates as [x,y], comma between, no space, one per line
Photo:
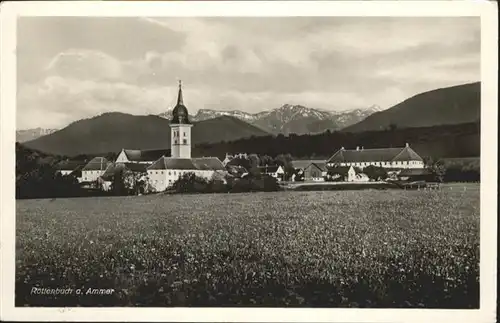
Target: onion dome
[180,113]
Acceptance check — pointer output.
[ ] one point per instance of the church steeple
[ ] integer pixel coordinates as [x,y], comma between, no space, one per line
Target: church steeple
[180,100]
[180,113]
[180,134]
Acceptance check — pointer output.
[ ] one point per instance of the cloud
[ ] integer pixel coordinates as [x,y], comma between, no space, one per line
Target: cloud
[252,64]
[85,64]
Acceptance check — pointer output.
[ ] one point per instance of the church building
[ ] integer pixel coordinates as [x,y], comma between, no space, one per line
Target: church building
[164,171]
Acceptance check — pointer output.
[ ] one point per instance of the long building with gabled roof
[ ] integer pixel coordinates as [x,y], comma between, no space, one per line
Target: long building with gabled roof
[394,158]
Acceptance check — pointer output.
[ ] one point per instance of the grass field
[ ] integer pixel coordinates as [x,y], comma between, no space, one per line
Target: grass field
[321,249]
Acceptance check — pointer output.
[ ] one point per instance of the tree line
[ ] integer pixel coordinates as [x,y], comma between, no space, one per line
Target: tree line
[253,182]
[37,176]
[444,141]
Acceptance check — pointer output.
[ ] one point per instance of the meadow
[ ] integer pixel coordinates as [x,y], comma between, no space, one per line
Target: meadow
[379,249]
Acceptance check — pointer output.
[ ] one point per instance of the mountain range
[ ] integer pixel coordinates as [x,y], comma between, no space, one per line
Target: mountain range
[289,118]
[31,134]
[111,132]
[285,120]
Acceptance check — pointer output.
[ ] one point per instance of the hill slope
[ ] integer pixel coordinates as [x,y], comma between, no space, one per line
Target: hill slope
[452,105]
[111,132]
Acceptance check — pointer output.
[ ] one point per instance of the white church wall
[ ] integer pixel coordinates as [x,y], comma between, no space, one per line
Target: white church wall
[161,179]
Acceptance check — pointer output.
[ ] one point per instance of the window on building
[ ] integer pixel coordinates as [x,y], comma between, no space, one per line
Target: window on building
[184,134]
[175,142]
[169,174]
[185,141]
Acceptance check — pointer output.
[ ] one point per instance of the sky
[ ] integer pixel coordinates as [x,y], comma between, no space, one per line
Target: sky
[69,68]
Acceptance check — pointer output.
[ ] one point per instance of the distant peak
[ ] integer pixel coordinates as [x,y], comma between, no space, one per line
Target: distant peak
[375,107]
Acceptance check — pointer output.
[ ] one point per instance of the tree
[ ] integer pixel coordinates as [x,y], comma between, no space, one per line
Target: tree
[299,175]
[37,177]
[134,182]
[375,173]
[190,183]
[266,160]
[118,183]
[254,162]
[437,169]
[240,161]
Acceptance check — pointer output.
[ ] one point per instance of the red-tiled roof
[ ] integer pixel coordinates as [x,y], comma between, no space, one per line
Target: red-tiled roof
[375,155]
[97,163]
[204,163]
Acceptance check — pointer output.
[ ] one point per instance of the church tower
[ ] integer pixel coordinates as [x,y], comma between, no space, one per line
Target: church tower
[180,129]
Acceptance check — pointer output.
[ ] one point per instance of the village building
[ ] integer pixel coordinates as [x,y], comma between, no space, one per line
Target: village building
[392,158]
[345,174]
[140,156]
[301,164]
[274,171]
[130,172]
[315,171]
[94,169]
[70,167]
